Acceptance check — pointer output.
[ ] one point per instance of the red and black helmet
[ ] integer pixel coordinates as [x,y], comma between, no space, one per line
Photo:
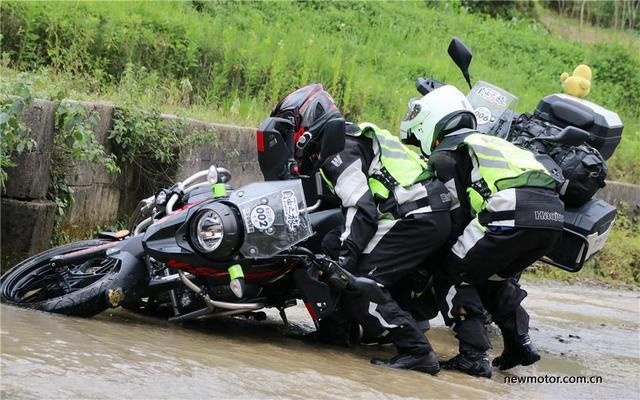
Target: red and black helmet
[309,109]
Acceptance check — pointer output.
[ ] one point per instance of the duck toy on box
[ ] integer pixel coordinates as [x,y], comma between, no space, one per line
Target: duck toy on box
[578,84]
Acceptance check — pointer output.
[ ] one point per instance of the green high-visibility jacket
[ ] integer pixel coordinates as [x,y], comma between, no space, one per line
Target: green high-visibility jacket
[498,165]
[399,165]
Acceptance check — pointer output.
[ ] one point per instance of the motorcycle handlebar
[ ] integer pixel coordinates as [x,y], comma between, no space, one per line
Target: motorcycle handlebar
[222,175]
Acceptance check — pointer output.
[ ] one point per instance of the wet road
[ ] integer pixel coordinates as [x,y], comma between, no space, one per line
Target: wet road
[579,330]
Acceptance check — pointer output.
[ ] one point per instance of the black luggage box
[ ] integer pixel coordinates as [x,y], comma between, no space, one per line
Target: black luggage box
[586,230]
[604,125]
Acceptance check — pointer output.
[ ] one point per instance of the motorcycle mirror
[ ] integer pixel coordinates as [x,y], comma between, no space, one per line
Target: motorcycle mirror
[461,55]
[369,289]
[332,138]
[212,175]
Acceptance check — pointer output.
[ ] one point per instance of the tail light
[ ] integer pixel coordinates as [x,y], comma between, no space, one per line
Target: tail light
[260,141]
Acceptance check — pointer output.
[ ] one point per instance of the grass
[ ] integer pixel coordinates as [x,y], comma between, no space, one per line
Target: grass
[232,61]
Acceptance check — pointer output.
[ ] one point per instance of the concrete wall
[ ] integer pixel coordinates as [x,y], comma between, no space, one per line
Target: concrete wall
[27,218]
[100,198]
[616,192]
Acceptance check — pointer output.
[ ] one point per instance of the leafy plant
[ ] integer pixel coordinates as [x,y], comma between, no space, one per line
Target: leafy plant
[74,141]
[152,144]
[14,139]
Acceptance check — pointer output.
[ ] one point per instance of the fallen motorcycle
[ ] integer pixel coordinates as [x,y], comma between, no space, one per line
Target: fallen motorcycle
[199,250]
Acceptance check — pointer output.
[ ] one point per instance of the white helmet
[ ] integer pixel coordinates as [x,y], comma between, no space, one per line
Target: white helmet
[431,117]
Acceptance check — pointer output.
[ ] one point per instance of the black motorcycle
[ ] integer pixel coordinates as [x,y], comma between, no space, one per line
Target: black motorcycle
[201,250]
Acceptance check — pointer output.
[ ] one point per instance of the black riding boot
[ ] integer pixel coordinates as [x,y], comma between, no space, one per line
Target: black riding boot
[471,361]
[414,351]
[416,362]
[518,350]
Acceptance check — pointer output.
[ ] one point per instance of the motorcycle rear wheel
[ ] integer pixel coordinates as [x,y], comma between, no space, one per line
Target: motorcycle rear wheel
[72,289]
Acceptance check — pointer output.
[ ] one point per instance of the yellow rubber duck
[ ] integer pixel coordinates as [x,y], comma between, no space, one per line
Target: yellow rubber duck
[578,84]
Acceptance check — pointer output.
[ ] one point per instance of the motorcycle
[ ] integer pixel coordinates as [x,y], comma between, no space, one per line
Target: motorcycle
[574,122]
[200,250]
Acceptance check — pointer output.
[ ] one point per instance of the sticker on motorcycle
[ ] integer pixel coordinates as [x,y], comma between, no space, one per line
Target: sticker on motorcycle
[290,209]
[492,95]
[262,217]
[483,115]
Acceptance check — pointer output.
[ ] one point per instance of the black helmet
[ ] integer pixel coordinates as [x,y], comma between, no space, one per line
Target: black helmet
[309,109]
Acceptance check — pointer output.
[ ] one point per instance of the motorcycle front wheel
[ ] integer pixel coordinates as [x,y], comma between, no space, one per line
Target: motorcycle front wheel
[78,289]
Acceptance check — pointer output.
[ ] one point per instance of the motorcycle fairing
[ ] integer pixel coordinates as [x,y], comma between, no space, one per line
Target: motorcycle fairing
[274,215]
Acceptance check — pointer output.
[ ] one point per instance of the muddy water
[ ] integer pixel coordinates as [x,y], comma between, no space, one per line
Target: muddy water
[580,331]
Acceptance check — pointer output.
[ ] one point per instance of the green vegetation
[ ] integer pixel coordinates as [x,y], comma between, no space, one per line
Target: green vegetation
[133,132]
[14,132]
[73,142]
[231,61]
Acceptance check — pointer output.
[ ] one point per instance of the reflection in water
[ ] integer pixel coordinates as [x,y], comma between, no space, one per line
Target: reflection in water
[121,355]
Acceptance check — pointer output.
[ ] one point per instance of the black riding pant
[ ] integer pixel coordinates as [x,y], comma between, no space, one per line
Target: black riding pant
[481,274]
[398,248]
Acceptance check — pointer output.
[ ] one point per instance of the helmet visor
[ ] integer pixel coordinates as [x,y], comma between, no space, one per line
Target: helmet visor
[413,109]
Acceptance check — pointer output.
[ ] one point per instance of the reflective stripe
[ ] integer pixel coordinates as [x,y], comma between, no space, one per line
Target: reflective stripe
[376,314]
[384,226]
[484,162]
[390,143]
[351,213]
[496,278]
[352,184]
[487,151]
[471,235]
[392,152]
[449,300]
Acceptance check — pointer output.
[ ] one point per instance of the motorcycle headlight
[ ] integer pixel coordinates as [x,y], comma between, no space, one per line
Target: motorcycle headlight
[207,231]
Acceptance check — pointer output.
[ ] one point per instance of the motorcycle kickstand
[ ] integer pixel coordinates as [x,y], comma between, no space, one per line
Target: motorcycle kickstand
[283,315]
[173,297]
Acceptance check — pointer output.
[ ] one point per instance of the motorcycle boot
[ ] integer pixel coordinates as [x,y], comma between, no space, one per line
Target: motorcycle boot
[415,362]
[471,361]
[518,350]
[414,350]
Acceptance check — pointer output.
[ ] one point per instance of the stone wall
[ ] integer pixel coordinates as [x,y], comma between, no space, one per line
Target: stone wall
[27,218]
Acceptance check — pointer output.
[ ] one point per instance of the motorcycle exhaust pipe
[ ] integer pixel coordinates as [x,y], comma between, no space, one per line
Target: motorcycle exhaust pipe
[213,304]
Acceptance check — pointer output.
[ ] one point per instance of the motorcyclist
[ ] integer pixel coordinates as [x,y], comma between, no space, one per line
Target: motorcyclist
[505,215]
[396,215]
